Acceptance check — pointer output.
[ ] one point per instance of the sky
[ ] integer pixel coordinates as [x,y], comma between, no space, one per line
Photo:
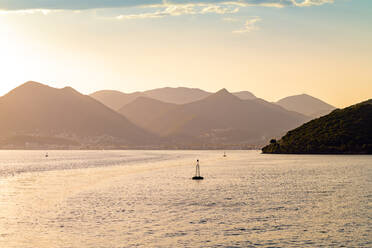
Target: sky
[273,48]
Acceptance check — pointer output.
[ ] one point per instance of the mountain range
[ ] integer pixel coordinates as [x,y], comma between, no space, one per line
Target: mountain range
[220,118]
[34,114]
[180,95]
[303,104]
[36,110]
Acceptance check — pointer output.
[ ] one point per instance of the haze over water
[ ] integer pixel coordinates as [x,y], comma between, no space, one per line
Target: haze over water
[146,199]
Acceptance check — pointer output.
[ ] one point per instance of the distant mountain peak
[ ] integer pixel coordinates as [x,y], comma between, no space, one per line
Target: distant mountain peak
[306,96]
[224,93]
[71,90]
[27,87]
[39,87]
[245,95]
[246,92]
[180,95]
[32,84]
[306,104]
[223,90]
[107,91]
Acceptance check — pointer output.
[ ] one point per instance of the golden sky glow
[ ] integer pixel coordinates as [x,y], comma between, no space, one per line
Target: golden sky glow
[278,51]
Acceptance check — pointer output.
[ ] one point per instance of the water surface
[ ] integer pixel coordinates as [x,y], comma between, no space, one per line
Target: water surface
[146,199]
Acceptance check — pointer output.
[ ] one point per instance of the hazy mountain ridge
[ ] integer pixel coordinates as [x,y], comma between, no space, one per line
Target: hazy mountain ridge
[115,99]
[344,131]
[180,95]
[303,104]
[34,109]
[307,105]
[38,114]
[219,118]
[144,110]
[245,95]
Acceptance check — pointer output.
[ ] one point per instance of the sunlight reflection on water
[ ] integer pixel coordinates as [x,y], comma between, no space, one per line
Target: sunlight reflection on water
[146,199]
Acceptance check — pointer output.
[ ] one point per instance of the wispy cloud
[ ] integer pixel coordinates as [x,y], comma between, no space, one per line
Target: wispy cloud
[101,4]
[175,10]
[307,3]
[230,19]
[219,9]
[183,9]
[249,26]
[29,11]
[150,9]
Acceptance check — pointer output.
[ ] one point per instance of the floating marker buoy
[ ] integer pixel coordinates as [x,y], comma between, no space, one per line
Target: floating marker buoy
[197,172]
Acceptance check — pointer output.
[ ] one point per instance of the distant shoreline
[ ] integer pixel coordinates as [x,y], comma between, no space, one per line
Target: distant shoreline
[129,149]
[327,154]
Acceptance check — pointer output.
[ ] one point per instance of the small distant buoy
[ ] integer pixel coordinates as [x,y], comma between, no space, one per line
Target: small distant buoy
[224,154]
[197,172]
[46,155]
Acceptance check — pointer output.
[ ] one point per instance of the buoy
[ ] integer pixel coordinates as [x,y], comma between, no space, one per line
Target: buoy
[197,172]
[46,155]
[224,154]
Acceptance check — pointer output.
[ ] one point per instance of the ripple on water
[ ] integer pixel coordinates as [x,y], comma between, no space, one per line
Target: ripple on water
[260,201]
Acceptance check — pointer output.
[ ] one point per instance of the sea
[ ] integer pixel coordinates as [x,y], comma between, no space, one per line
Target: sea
[118,199]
